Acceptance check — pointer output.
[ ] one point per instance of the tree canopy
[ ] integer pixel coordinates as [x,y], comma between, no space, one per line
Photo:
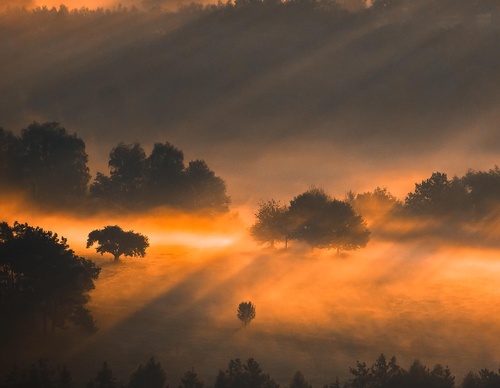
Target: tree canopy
[246,312]
[114,240]
[46,162]
[50,167]
[137,180]
[43,284]
[312,217]
[240,375]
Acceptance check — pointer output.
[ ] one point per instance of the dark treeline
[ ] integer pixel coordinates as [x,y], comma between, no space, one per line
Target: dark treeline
[474,196]
[382,373]
[50,166]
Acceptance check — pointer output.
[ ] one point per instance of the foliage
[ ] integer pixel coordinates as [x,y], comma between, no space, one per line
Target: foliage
[246,312]
[299,381]
[383,374]
[239,375]
[104,378]
[484,379]
[39,375]
[375,204]
[151,375]
[272,223]
[112,239]
[312,217]
[191,380]
[159,179]
[437,196]
[327,223]
[42,281]
[45,157]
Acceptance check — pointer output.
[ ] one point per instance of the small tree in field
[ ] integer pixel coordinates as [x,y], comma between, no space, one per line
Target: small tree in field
[246,312]
[112,239]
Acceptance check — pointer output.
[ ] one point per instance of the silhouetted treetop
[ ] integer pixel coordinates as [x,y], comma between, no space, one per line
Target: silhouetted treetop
[248,375]
[151,375]
[159,179]
[46,162]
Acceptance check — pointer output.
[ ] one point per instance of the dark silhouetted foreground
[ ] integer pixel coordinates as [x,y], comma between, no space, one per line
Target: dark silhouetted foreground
[382,374]
[43,284]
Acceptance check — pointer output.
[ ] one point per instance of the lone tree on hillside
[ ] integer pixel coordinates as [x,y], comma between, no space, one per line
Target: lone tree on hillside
[112,239]
[246,312]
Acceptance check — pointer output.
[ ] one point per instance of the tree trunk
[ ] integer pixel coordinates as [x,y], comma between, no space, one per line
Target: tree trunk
[117,257]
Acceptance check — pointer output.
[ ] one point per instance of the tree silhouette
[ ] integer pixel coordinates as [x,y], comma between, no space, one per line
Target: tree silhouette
[166,166]
[437,196]
[43,281]
[239,375]
[327,223]
[299,381]
[385,374]
[272,224]
[47,158]
[204,190]
[246,312]
[159,179]
[151,375]
[375,204]
[112,239]
[191,380]
[127,164]
[104,378]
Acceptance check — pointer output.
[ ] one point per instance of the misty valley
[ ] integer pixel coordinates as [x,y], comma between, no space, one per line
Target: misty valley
[250,194]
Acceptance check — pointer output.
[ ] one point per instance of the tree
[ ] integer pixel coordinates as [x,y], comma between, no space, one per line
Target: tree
[127,164]
[327,223]
[437,196]
[42,281]
[191,380]
[239,375]
[299,381]
[246,312]
[272,223]
[112,239]
[204,190]
[104,378]
[9,159]
[151,375]
[375,204]
[166,166]
[383,374]
[483,189]
[50,158]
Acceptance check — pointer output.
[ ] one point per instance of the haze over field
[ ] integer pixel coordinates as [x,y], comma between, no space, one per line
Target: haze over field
[276,97]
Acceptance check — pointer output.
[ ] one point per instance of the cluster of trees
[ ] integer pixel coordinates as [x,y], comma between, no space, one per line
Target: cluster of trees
[312,217]
[474,196]
[50,165]
[323,222]
[43,284]
[382,374]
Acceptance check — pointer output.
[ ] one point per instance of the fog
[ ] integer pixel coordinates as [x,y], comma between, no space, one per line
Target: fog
[276,102]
